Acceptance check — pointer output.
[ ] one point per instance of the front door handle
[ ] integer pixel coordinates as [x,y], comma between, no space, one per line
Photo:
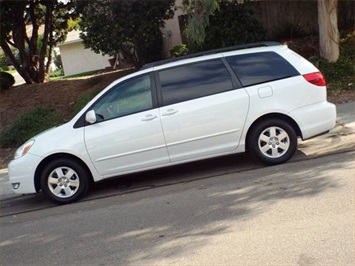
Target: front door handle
[170,112]
[149,117]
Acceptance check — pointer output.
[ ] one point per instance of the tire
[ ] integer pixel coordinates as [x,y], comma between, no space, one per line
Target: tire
[272,141]
[64,181]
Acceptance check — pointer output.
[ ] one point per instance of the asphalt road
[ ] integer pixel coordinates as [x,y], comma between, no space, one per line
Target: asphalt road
[299,213]
[224,211]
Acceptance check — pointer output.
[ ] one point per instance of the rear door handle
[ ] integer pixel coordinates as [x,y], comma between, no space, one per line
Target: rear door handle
[170,112]
[149,117]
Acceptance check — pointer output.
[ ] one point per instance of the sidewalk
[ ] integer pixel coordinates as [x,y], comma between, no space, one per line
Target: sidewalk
[18,79]
[339,139]
[346,113]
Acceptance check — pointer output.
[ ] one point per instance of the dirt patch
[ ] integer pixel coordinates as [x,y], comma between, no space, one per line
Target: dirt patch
[60,95]
[307,46]
[343,97]
[6,155]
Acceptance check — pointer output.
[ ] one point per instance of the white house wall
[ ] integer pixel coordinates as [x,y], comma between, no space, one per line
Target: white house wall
[171,31]
[76,59]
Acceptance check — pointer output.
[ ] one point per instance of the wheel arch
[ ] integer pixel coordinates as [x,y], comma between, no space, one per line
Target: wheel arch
[56,156]
[283,117]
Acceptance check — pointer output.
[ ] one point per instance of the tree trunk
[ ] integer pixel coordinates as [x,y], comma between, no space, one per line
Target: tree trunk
[24,74]
[47,29]
[328,29]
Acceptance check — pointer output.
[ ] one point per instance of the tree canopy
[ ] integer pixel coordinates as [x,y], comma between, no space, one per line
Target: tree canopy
[198,12]
[129,28]
[21,41]
[202,12]
[232,24]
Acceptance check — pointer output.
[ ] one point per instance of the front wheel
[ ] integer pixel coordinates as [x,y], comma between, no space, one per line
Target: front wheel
[272,141]
[64,181]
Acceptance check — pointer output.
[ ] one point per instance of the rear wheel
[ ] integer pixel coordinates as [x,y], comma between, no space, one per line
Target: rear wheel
[64,181]
[272,141]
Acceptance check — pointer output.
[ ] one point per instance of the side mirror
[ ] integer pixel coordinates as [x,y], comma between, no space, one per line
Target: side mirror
[90,117]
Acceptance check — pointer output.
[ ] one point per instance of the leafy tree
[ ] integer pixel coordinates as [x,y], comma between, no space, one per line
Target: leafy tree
[232,24]
[199,12]
[14,36]
[3,61]
[130,28]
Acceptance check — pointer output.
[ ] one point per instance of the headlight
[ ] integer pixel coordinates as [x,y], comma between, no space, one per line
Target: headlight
[24,148]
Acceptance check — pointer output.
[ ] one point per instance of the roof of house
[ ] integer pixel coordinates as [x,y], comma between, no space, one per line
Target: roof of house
[72,37]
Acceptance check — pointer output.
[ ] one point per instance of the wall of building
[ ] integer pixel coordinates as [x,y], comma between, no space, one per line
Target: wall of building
[76,59]
[171,32]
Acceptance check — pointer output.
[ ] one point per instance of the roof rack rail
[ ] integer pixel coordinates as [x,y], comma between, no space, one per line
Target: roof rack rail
[209,52]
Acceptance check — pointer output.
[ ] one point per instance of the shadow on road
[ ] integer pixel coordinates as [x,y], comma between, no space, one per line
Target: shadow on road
[128,184]
[168,220]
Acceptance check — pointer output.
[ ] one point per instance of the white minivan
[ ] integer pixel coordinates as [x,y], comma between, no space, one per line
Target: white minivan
[258,98]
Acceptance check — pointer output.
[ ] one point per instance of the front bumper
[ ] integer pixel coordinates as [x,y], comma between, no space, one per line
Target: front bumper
[22,173]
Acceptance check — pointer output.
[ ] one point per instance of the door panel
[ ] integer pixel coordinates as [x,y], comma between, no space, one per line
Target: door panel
[128,135]
[205,126]
[126,144]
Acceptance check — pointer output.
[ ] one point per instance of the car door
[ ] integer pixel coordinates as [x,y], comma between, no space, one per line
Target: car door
[204,110]
[128,134]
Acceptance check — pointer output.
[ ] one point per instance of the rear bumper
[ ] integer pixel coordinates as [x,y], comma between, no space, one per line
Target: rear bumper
[315,119]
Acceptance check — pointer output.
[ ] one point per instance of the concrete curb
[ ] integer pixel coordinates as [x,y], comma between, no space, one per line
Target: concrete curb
[3,171]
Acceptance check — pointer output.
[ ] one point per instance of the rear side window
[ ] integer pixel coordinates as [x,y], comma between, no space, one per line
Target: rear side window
[257,68]
[194,81]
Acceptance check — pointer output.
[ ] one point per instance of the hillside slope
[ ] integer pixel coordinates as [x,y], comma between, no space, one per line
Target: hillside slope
[60,96]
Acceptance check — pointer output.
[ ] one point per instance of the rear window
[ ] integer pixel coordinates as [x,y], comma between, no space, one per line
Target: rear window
[193,81]
[257,68]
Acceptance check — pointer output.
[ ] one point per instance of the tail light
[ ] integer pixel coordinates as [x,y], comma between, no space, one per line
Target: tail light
[316,78]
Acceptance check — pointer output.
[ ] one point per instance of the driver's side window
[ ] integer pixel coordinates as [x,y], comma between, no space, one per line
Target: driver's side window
[132,96]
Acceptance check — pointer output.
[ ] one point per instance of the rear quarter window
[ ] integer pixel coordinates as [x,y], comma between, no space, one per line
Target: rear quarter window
[256,68]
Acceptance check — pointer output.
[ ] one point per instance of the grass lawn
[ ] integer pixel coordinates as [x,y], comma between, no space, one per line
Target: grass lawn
[11,71]
[79,75]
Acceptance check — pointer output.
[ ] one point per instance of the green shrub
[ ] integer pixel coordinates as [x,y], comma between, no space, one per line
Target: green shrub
[289,30]
[347,44]
[179,50]
[84,74]
[233,24]
[93,81]
[3,61]
[56,73]
[28,125]
[337,70]
[6,81]
[340,75]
